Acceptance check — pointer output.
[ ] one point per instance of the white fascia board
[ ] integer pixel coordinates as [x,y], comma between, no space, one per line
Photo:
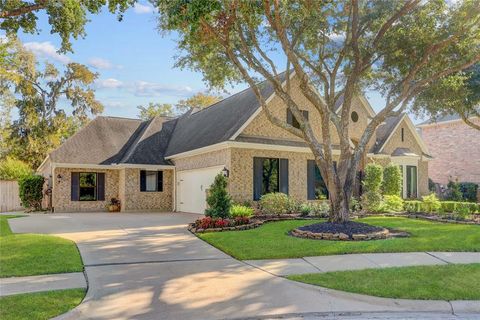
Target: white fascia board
[257,112]
[109,166]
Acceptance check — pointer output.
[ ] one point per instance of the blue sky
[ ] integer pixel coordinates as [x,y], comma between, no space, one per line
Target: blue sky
[135,63]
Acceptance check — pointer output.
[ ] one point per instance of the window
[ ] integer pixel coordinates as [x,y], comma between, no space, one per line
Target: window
[354,116]
[411,186]
[269,175]
[316,186]
[151,181]
[403,135]
[88,186]
[291,120]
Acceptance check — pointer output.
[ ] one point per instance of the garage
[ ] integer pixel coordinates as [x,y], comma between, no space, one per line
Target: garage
[192,187]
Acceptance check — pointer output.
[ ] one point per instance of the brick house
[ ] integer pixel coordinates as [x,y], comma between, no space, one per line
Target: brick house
[455,148]
[168,164]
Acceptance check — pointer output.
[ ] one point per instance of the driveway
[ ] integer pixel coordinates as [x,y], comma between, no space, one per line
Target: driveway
[148,266]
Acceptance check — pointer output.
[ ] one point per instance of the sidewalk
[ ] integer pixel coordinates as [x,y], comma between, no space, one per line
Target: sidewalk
[285,267]
[59,281]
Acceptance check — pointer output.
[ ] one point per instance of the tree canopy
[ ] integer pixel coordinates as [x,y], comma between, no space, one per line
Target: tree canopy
[155,109]
[51,103]
[67,18]
[336,49]
[199,100]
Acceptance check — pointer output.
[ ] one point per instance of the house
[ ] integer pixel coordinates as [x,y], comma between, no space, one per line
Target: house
[169,164]
[455,148]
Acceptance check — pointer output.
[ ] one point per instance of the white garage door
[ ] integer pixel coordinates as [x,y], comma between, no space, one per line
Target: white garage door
[192,188]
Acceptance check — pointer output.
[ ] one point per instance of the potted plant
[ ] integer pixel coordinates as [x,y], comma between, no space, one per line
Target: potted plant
[114,205]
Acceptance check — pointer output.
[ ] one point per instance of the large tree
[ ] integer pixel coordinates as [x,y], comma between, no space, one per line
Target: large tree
[155,109]
[336,49]
[67,18]
[51,104]
[199,100]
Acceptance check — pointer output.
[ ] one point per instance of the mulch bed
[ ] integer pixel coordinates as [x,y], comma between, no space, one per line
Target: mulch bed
[349,228]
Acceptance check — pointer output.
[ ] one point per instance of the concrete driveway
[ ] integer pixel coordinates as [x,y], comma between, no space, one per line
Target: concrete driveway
[148,266]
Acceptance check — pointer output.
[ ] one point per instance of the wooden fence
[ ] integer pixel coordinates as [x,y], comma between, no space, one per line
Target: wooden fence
[9,198]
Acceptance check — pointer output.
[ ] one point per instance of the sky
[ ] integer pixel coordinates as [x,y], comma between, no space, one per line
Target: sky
[134,61]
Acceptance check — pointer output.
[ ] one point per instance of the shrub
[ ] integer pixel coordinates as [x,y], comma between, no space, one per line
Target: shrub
[469,191]
[31,191]
[462,210]
[431,185]
[209,222]
[453,192]
[372,199]
[275,203]
[240,211]
[319,209]
[13,169]
[305,209]
[430,203]
[218,199]
[392,203]
[355,205]
[448,206]
[412,206]
[392,180]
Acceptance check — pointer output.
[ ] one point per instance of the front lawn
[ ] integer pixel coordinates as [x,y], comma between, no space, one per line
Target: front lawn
[271,241]
[446,282]
[39,305]
[34,254]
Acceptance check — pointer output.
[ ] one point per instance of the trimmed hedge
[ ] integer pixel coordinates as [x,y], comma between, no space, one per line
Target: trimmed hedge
[31,191]
[414,206]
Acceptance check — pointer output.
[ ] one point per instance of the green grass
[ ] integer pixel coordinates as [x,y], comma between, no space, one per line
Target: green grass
[40,305]
[272,241]
[446,282]
[34,254]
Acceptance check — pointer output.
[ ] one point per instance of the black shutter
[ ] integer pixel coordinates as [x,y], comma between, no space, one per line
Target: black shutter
[305,114]
[289,117]
[75,187]
[311,179]
[257,178]
[143,180]
[160,181]
[101,186]
[283,176]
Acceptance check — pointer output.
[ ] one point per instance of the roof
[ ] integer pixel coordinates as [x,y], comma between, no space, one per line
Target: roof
[399,152]
[444,118]
[113,140]
[218,122]
[384,130]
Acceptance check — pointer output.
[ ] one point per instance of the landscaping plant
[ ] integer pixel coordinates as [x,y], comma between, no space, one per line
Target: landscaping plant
[392,203]
[13,169]
[275,203]
[240,211]
[31,191]
[392,180]
[218,199]
[372,198]
[469,191]
[430,203]
[453,192]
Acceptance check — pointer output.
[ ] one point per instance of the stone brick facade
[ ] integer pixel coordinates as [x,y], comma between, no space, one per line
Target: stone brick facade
[62,180]
[455,148]
[123,184]
[204,160]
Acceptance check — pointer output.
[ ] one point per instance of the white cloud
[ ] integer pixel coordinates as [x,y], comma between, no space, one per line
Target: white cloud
[46,50]
[100,63]
[143,8]
[109,83]
[145,89]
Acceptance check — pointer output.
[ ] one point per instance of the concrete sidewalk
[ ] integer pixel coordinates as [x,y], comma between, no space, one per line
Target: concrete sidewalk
[48,282]
[285,267]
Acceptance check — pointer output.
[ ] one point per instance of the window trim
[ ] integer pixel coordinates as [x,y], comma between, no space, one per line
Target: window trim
[291,120]
[94,188]
[403,162]
[157,189]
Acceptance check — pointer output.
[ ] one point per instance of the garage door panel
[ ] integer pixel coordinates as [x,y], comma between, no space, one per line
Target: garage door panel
[192,186]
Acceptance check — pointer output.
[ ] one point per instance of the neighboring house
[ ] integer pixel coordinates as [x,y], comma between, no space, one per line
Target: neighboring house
[455,148]
[169,164]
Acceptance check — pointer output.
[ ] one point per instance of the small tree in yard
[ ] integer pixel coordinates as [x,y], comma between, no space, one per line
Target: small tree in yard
[372,198]
[392,180]
[336,49]
[31,191]
[218,199]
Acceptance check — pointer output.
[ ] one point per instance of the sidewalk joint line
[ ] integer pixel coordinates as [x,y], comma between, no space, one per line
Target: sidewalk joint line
[438,258]
[364,256]
[303,258]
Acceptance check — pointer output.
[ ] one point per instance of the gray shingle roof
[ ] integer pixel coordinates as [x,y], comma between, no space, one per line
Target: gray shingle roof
[384,130]
[112,140]
[444,118]
[218,122]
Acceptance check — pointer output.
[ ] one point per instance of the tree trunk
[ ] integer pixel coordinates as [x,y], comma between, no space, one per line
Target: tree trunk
[340,207]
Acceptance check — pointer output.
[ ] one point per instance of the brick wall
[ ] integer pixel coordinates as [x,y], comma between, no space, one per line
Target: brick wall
[456,151]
